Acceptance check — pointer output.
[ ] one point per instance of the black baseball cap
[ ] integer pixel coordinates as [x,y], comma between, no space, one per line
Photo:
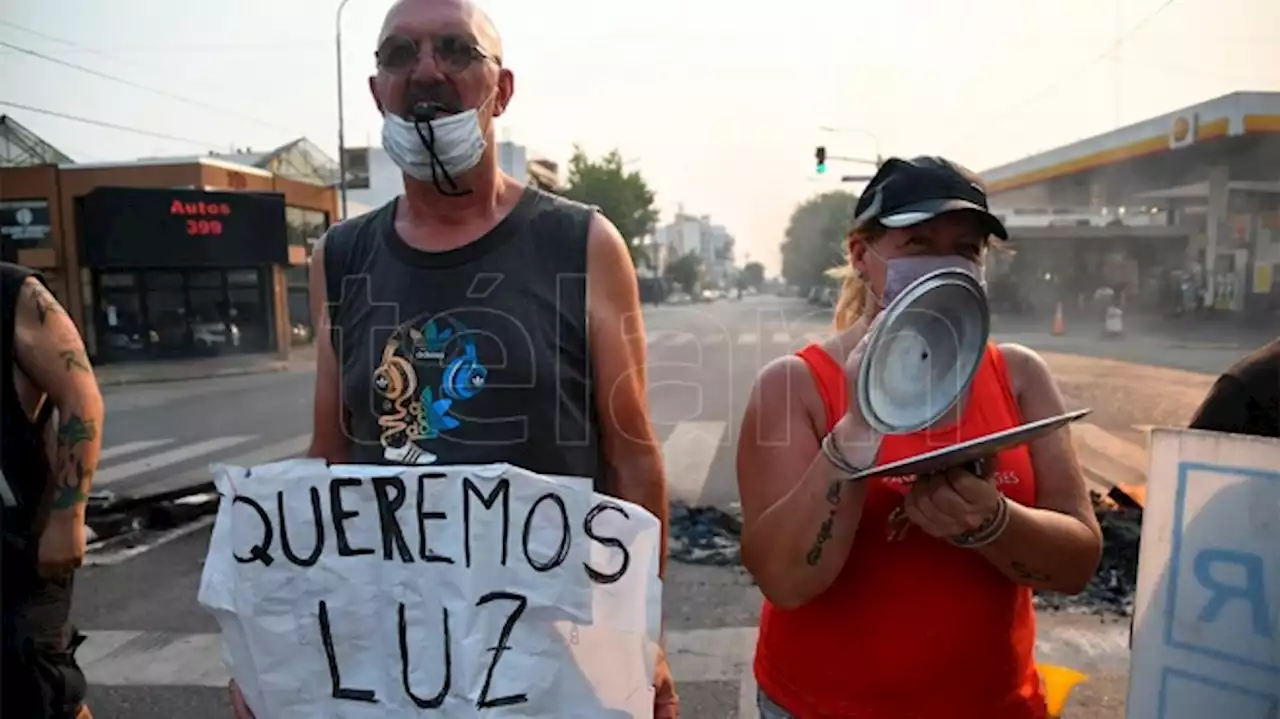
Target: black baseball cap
[907,192]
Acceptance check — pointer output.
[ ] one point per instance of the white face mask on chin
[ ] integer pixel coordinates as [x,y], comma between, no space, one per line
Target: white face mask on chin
[458,144]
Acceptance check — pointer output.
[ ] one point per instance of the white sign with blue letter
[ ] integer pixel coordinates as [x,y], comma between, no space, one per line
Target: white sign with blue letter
[1206,638]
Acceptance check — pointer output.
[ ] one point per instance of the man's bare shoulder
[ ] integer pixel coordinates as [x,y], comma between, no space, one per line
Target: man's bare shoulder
[36,304]
[608,257]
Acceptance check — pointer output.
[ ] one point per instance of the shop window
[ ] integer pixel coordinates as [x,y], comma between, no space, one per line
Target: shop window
[119,317]
[296,277]
[244,278]
[181,314]
[248,312]
[304,227]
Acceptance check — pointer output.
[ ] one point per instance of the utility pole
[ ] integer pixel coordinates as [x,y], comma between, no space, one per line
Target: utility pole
[822,155]
[342,142]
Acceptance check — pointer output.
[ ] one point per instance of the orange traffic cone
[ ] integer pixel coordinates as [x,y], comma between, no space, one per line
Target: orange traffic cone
[1057,683]
[1059,324]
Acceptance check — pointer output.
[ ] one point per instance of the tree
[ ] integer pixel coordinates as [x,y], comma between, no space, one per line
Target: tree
[753,275]
[815,238]
[686,271]
[624,197]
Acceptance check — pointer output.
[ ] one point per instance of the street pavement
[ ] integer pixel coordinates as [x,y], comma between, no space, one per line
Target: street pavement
[153,652]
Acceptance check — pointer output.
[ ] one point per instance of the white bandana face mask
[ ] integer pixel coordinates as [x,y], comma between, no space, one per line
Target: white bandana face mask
[458,144]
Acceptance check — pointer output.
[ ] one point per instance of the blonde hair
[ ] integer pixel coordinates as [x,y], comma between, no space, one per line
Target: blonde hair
[852,302]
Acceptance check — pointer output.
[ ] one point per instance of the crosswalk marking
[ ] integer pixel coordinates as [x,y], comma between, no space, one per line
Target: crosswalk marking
[669,338]
[143,658]
[286,449]
[118,472]
[687,455]
[121,450]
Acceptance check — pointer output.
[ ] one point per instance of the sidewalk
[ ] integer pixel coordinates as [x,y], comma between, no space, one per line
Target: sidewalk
[1186,333]
[131,373]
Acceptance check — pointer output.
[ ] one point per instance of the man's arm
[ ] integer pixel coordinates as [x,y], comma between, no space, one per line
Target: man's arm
[50,353]
[328,437]
[618,356]
[1230,407]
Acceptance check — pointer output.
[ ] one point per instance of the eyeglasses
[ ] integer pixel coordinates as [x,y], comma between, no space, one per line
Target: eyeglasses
[452,53]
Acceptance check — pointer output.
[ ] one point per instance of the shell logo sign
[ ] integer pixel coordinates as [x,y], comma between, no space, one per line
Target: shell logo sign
[1183,131]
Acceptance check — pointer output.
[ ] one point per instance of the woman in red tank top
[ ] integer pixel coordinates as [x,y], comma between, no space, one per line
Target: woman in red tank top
[906,597]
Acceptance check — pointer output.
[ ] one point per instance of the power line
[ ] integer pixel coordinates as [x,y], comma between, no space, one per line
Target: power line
[113,126]
[130,83]
[293,44]
[1075,72]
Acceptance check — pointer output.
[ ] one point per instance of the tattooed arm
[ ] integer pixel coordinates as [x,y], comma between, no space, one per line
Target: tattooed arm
[1055,545]
[51,361]
[799,518]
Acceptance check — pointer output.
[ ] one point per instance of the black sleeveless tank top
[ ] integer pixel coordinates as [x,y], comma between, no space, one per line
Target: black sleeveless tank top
[24,461]
[475,355]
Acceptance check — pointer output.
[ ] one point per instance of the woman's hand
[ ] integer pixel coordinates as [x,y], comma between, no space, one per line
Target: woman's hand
[853,435]
[239,708]
[951,503]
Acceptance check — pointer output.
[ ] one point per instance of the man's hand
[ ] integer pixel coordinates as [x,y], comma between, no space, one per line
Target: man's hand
[62,545]
[666,705]
[948,504]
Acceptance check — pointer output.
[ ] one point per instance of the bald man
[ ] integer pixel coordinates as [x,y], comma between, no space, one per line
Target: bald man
[475,319]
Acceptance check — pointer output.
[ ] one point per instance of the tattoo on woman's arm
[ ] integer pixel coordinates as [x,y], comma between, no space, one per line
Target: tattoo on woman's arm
[825,529]
[1028,574]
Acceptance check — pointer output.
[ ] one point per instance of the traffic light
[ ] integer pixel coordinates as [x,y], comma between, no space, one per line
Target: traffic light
[821,156]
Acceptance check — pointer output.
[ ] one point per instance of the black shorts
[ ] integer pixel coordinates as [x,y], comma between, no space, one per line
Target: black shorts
[41,679]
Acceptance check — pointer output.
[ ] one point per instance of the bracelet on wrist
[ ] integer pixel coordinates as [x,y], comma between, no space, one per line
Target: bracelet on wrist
[836,458]
[990,531]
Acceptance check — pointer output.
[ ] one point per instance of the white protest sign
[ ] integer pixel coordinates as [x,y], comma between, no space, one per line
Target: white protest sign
[1206,637]
[478,591]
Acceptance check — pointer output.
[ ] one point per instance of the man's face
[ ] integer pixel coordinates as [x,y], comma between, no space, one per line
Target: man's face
[442,52]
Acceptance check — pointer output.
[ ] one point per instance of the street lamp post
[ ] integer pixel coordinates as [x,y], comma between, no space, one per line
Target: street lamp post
[342,144]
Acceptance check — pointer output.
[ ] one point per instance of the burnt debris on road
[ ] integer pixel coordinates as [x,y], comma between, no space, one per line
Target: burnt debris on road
[704,535]
[1110,592]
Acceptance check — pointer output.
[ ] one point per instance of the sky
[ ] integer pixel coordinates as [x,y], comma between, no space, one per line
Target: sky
[719,104]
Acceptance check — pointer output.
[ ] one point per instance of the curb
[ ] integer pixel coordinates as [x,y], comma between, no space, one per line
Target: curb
[1205,345]
[280,366]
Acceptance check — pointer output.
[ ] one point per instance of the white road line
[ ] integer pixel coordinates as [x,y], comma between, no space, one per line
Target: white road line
[164,459]
[687,456]
[108,558]
[713,340]
[117,658]
[781,338]
[287,449]
[747,706]
[683,338]
[121,450]
[749,338]
[134,658]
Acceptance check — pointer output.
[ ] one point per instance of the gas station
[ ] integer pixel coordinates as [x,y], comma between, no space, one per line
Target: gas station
[1175,215]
